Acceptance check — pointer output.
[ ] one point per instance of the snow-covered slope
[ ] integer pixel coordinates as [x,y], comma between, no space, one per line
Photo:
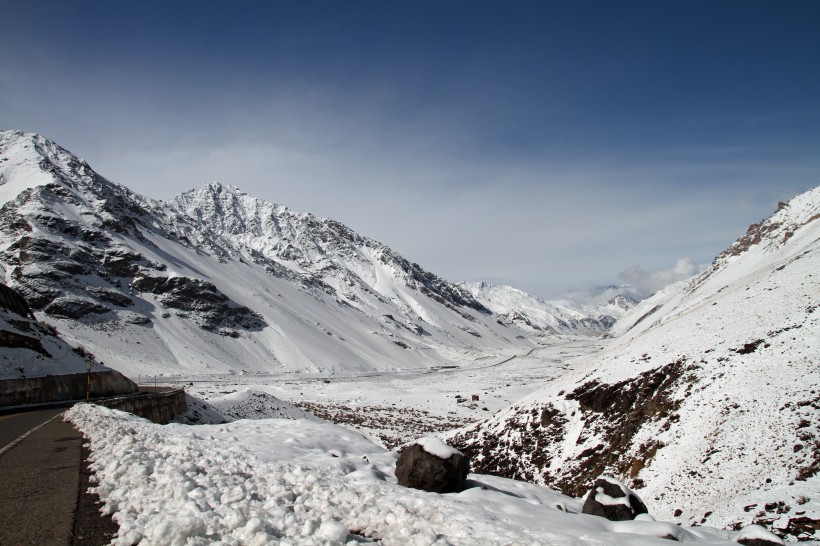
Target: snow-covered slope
[217,281]
[707,403]
[553,317]
[29,348]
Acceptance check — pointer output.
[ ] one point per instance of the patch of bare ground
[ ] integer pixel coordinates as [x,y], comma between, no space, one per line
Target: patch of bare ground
[391,425]
[611,412]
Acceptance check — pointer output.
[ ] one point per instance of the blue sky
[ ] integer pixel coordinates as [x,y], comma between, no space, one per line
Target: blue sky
[547,145]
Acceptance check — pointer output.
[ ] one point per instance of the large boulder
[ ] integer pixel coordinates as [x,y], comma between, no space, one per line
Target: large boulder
[431,465]
[612,500]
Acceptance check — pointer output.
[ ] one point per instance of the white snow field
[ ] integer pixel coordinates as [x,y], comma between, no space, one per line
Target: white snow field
[392,408]
[278,481]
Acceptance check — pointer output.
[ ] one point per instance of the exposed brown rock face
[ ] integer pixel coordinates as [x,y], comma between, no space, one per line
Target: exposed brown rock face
[611,412]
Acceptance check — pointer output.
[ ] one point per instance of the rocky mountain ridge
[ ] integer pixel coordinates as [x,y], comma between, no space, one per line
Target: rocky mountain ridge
[216,281]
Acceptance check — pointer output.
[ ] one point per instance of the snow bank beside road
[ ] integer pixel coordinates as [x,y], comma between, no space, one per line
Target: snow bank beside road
[300,482]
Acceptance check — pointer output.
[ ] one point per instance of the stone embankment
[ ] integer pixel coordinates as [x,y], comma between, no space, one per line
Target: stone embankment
[110,389]
[157,404]
[59,388]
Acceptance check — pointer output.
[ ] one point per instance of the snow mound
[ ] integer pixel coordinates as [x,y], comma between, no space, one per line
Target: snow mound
[299,482]
[250,403]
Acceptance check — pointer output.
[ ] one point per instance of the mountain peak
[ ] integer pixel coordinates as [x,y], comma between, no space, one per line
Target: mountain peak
[29,160]
[218,187]
[790,220]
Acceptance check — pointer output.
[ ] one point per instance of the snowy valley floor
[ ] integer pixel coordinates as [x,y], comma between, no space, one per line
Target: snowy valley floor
[392,408]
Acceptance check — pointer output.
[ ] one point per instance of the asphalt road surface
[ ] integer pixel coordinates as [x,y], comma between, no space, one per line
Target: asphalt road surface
[15,425]
[40,478]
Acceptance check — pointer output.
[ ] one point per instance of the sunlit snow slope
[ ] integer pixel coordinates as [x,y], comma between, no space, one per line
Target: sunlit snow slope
[707,402]
[218,281]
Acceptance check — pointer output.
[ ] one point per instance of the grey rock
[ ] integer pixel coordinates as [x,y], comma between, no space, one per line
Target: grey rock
[73,308]
[110,296]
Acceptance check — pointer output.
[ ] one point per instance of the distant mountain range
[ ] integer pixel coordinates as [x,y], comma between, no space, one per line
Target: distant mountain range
[217,281]
[706,401]
[553,317]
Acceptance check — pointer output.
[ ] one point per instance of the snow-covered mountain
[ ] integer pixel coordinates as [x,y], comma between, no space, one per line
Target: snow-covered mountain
[706,402]
[217,281]
[553,317]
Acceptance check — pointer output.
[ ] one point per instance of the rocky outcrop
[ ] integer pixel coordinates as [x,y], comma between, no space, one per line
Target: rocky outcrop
[432,466]
[74,308]
[612,413]
[212,308]
[13,340]
[14,302]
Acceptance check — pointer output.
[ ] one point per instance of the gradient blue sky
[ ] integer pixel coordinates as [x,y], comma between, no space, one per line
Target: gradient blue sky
[547,145]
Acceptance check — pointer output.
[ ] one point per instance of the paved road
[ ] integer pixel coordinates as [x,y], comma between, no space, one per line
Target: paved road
[40,479]
[15,425]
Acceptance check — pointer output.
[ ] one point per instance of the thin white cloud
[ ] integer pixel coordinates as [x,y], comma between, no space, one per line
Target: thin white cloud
[649,282]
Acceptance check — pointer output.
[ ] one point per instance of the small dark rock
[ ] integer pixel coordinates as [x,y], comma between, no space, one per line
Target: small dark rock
[604,500]
[419,469]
